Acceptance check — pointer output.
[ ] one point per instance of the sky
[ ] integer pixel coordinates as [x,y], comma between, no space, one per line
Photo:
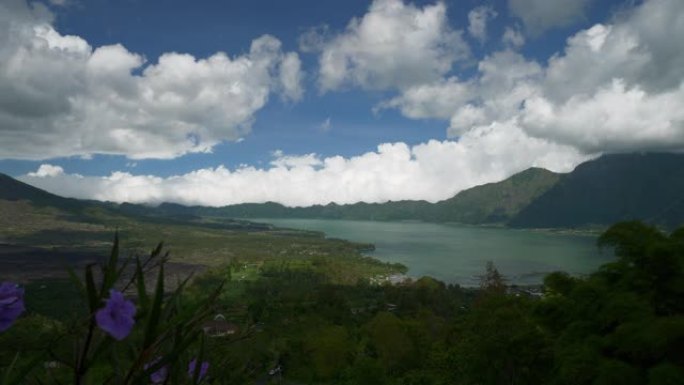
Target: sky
[218,102]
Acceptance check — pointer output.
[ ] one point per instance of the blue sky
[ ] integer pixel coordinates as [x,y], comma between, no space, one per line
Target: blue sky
[464,100]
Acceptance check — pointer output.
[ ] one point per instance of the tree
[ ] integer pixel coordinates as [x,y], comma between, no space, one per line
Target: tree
[492,281]
[391,341]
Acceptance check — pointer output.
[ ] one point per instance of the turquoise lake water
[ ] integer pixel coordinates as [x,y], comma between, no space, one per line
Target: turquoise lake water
[457,254]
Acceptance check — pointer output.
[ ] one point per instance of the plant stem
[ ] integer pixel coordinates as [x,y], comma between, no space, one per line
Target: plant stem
[80,365]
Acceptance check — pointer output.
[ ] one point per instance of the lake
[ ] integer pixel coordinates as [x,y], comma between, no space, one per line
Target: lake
[457,253]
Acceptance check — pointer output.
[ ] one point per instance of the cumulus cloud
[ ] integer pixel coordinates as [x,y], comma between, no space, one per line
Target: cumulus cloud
[541,15]
[394,45]
[640,48]
[314,39]
[59,96]
[629,119]
[505,79]
[432,171]
[615,87]
[477,22]
[513,38]
[291,77]
[432,100]
[47,170]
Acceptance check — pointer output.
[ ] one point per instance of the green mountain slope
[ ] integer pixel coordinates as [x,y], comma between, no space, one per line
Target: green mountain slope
[493,203]
[497,202]
[14,190]
[40,232]
[648,187]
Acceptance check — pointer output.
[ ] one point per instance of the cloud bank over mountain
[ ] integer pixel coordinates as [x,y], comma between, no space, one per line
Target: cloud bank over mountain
[616,86]
[432,171]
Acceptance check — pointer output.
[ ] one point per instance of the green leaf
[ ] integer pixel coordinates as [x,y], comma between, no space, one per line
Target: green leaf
[9,369]
[19,377]
[93,298]
[77,282]
[155,311]
[110,270]
[143,298]
[102,347]
[200,359]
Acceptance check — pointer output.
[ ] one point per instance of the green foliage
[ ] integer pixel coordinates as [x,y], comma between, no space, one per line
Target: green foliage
[616,372]
[330,350]
[301,322]
[666,374]
[166,330]
[559,283]
[390,340]
[500,343]
[492,282]
[617,325]
[612,188]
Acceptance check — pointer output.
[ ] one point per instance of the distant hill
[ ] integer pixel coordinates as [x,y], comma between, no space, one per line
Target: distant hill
[19,199]
[14,190]
[612,188]
[648,187]
[497,202]
[492,203]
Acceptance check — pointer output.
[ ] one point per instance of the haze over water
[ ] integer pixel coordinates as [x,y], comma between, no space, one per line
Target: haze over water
[457,254]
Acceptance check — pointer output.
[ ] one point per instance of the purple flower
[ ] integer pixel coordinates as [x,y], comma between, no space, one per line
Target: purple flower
[160,375]
[116,318]
[202,371]
[11,304]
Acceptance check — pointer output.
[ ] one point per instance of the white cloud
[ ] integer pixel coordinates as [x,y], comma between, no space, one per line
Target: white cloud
[47,170]
[314,39]
[326,125]
[615,87]
[505,79]
[541,15]
[394,45]
[61,97]
[513,38]
[291,77]
[628,119]
[294,161]
[433,100]
[432,171]
[477,21]
[640,48]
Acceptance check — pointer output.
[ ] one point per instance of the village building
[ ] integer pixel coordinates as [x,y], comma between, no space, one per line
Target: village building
[219,327]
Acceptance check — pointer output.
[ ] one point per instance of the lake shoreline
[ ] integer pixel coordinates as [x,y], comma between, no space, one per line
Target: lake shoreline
[457,254]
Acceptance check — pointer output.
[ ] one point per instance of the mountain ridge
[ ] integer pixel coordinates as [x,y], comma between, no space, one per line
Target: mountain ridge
[613,188]
[491,203]
[599,192]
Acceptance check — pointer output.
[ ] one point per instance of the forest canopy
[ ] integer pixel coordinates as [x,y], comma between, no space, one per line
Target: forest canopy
[623,324]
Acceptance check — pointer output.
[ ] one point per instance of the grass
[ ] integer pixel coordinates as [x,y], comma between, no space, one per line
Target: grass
[54,298]
[193,242]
